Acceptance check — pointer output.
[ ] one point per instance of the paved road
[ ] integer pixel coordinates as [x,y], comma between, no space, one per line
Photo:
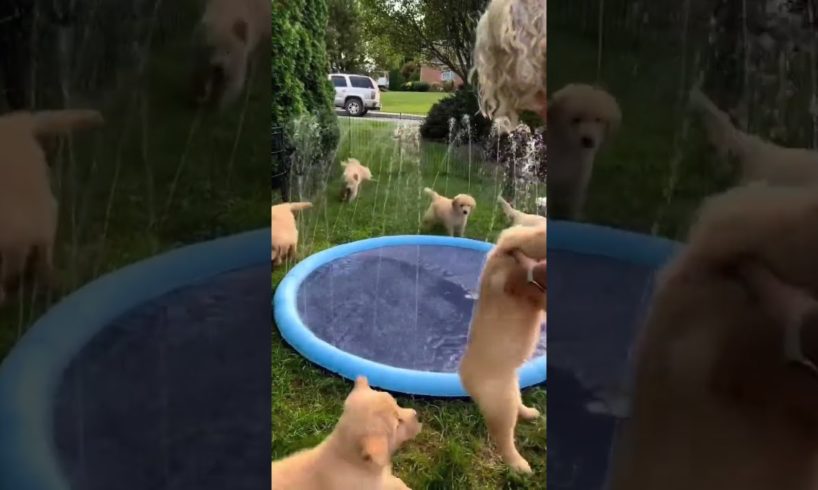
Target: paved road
[381,116]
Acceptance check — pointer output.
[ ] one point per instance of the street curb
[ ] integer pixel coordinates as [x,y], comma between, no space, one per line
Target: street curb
[384,115]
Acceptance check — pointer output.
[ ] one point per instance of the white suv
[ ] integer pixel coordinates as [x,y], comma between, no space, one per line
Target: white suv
[357,94]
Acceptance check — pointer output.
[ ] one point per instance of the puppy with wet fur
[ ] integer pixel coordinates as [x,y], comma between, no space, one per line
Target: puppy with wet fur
[504,332]
[284,230]
[580,119]
[453,214]
[726,389]
[28,208]
[518,217]
[510,60]
[358,453]
[759,160]
[355,174]
[230,34]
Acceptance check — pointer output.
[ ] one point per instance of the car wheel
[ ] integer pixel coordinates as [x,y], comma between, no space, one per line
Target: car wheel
[354,107]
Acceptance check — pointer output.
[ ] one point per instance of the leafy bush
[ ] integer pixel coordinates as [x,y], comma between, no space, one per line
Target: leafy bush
[410,71]
[436,126]
[396,80]
[416,87]
[299,74]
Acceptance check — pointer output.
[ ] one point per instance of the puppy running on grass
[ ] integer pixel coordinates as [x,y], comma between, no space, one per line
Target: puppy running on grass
[453,214]
[504,332]
[284,230]
[28,209]
[355,174]
[357,455]
[231,31]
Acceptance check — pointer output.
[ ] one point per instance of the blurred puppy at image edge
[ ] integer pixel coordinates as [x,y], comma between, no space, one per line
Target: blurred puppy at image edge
[453,214]
[510,60]
[759,160]
[28,208]
[357,455]
[724,397]
[284,230]
[580,119]
[354,175]
[504,332]
[518,217]
[230,33]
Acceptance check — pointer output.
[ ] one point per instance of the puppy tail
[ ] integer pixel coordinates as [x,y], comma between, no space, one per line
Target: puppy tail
[530,240]
[506,207]
[298,206]
[48,123]
[429,192]
[720,130]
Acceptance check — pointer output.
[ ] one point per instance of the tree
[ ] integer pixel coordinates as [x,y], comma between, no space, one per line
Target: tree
[300,85]
[346,48]
[441,30]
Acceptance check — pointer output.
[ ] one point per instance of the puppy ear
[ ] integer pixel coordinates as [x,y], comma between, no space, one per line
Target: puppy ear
[556,107]
[455,202]
[375,448]
[240,30]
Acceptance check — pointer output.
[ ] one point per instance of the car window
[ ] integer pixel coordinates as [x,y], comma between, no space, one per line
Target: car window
[361,82]
[339,81]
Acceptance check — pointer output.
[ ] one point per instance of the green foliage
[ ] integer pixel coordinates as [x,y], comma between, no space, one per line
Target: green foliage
[416,87]
[440,30]
[299,69]
[346,48]
[396,80]
[410,71]
[437,125]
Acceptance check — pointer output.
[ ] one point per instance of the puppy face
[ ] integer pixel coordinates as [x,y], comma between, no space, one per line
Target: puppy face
[585,115]
[463,204]
[375,424]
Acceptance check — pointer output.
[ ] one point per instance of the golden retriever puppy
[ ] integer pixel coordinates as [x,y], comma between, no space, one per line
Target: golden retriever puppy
[284,230]
[453,214]
[759,160]
[518,217]
[358,453]
[510,60]
[354,175]
[28,209]
[232,32]
[580,119]
[722,397]
[504,332]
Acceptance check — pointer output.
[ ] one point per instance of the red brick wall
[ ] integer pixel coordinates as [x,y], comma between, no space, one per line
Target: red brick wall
[432,75]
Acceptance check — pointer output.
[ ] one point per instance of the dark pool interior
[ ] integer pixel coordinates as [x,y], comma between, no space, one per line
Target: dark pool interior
[603,301]
[166,396]
[405,306]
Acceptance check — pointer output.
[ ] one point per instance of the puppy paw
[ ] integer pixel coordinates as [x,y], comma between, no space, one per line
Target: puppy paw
[520,465]
[528,413]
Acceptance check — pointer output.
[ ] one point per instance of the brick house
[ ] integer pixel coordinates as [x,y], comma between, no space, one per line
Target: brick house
[437,74]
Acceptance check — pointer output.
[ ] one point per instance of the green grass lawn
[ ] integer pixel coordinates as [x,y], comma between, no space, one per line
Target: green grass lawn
[453,451]
[415,103]
[158,175]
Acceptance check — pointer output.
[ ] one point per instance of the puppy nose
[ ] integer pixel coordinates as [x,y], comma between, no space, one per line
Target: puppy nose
[465,211]
[587,142]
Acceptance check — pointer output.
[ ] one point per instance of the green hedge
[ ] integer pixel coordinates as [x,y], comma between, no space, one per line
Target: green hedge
[300,67]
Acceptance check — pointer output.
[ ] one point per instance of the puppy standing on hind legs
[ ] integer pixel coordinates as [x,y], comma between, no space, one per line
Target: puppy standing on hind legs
[504,332]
